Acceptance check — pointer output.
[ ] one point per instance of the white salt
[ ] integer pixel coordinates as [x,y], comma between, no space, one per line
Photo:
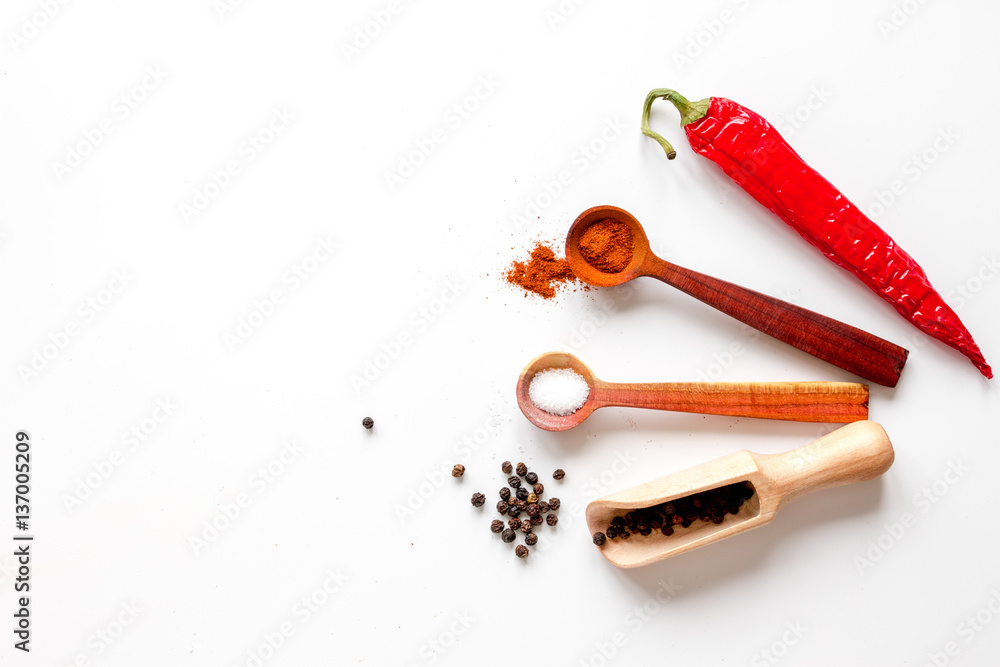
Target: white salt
[558,391]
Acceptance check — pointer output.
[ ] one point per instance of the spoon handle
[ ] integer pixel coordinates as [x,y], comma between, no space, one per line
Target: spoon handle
[853,453]
[829,402]
[850,348]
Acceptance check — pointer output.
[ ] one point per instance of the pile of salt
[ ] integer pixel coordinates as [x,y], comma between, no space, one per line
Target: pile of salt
[558,391]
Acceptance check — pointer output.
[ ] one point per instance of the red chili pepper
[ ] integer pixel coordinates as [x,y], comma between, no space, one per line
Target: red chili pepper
[753,154]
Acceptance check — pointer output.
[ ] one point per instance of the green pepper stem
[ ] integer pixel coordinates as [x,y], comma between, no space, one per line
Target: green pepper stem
[690,112]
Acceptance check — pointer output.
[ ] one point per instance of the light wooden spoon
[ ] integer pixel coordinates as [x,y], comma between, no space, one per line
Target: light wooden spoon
[853,453]
[834,402]
[840,344]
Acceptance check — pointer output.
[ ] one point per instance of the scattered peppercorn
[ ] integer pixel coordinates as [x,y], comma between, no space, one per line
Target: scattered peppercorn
[513,511]
[506,467]
[514,482]
[514,524]
[552,519]
[537,520]
[544,506]
[532,498]
[554,503]
[521,493]
[531,539]
[526,526]
[533,510]
[538,489]
[504,493]
[368,423]
[559,474]
[521,504]
[531,478]
[522,469]
[508,535]
[458,470]
[478,500]
[496,526]
[521,551]
[502,507]
[599,538]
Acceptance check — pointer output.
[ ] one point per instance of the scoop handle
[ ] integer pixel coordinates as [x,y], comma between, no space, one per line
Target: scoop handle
[833,402]
[864,354]
[853,453]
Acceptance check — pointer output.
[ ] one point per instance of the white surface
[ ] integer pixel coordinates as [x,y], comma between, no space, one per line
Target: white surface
[438,578]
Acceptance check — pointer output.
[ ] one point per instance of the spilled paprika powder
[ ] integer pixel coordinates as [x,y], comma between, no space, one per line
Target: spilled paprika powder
[542,274]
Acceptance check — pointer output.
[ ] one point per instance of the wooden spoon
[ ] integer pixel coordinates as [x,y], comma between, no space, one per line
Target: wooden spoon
[840,344]
[853,453]
[837,402]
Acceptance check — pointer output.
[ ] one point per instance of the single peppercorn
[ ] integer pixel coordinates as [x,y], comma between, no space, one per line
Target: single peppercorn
[537,520]
[533,510]
[506,467]
[526,526]
[496,526]
[478,500]
[514,482]
[502,507]
[514,524]
[532,498]
[599,539]
[552,519]
[522,469]
[558,474]
[521,551]
[504,493]
[508,535]
[458,470]
[543,505]
[538,489]
[513,511]
[521,493]
[554,503]
[368,423]
[531,478]
[531,539]
[521,504]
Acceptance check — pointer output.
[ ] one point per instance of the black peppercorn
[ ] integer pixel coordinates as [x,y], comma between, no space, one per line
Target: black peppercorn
[521,504]
[506,467]
[458,470]
[521,493]
[478,500]
[538,489]
[522,469]
[514,524]
[513,511]
[554,503]
[532,498]
[514,482]
[552,519]
[531,478]
[502,507]
[537,520]
[504,493]
[508,535]
[526,526]
[558,474]
[521,551]
[368,423]
[667,530]
[531,539]
[533,510]
[544,506]
[599,539]
[496,526]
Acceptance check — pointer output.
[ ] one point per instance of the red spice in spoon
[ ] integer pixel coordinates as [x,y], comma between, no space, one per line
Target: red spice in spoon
[607,245]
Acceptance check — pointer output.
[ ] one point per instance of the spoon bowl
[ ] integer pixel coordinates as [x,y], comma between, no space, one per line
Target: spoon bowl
[592,275]
[547,420]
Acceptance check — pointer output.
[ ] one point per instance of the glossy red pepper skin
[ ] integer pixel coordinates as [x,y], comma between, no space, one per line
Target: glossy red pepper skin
[753,154]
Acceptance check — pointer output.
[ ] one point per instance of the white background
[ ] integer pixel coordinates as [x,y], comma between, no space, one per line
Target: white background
[417,578]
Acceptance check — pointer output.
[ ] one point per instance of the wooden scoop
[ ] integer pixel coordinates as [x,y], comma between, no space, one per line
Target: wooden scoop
[836,402]
[853,453]
[840,344]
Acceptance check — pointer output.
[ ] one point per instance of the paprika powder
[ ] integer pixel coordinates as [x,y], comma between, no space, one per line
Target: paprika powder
[607,245]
